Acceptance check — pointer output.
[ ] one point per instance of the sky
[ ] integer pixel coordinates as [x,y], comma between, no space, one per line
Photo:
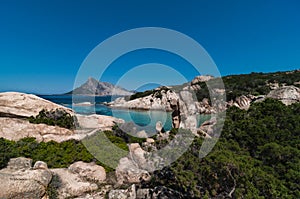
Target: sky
[44,43]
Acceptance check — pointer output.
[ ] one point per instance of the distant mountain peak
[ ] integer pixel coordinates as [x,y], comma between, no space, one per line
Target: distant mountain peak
[91,79]
[95,87]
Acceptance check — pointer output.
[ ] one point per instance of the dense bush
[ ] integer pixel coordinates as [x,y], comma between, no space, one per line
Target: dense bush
[257,156]
[254,83]
[141,94]
[155,93]
[56,155]
[125,136]
[56,117]
[61,155]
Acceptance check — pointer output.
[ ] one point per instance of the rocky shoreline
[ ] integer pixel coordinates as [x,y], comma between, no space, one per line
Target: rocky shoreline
[24,178]
[16,108]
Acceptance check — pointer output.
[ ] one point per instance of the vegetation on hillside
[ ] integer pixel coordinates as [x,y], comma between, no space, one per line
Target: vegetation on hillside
[257,156]
[61,155]
[237,85]
[155,93]
[253,83]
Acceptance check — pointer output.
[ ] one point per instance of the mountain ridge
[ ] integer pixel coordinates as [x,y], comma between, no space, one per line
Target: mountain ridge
[98,88]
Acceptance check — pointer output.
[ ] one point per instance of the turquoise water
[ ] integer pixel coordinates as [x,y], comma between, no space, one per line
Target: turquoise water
[143,119]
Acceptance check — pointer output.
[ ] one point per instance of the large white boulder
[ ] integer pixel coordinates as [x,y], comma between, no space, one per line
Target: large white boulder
[26,105]
[90,171]
[19,180]
[286,94]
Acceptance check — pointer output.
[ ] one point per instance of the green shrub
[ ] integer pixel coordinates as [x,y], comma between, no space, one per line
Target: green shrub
[52,188]
[257,156]
[57,117]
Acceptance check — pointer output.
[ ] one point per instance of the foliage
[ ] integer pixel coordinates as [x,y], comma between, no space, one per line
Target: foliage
[254,83]
[57,117]
[141,94]
[155,93]
[126,137]
[53,186]
[237,85]
[56,155]
[257,156]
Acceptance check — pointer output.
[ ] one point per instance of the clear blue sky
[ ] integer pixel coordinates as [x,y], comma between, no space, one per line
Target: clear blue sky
[43,43]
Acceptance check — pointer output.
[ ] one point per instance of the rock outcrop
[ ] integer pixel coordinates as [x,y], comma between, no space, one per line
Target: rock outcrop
[286,94]
[129,193]
[26,105]
[15,108]
[242,102]
[133,192]
[16,129]
[201,78]
[206,128]
[188,111]
[89,171]
[20,181]
[150,102]
[133,168]
[94,121]
[71,184]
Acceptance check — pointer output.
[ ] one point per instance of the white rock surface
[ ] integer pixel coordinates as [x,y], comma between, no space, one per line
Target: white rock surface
[26,105]
[94,121]
[90,171]
[72,184]
[242,102]
[16,129]
[20,181]
[201,78]
[147,103]
[287,94]
[129,193]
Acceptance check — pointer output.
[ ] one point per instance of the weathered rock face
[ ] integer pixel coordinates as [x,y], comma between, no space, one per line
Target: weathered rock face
[16,129]
[242,102]
[201,78]
[133,169]
[286,94]
[100,193]
[72,184]
[90,171]
[26,105]
[206,128]
[129,193]
[188,111]
[133,192]
[22,181]
[94,121]
[19,180]
[15,164]
[150,102]
[204,107]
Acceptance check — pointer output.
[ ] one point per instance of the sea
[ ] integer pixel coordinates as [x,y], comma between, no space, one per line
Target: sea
[144,120]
